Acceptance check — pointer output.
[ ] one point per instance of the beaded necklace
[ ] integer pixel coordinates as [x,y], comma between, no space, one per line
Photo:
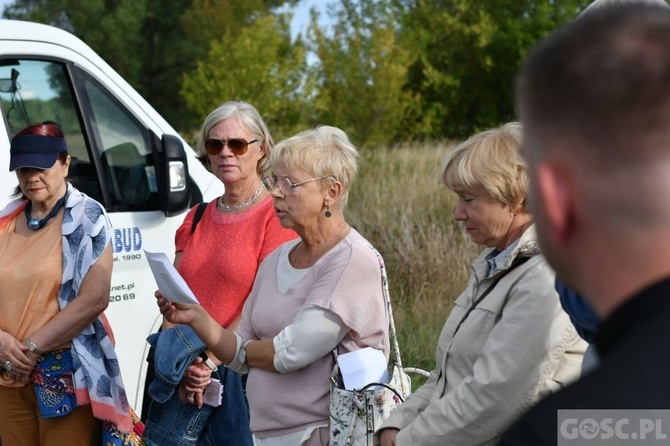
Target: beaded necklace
[35,224]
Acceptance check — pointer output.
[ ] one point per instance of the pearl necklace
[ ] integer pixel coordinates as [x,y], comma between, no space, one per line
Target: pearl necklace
[223,207]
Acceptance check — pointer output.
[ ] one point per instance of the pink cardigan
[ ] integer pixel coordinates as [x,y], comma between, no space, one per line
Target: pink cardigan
[347,281]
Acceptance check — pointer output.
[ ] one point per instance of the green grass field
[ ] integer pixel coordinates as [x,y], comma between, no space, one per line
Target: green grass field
[400,205]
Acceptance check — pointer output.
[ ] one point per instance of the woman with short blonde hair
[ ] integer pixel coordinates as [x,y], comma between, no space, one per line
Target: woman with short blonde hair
[507,340]
[491,159]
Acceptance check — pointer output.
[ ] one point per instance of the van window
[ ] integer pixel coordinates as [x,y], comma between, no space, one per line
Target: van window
[111,150]
[125,150]
[33,91]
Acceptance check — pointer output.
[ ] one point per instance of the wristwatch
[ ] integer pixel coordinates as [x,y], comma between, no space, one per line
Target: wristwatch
[208,361]
[33,348]
[242,355]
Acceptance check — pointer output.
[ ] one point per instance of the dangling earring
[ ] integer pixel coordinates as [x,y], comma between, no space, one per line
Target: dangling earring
[328,213]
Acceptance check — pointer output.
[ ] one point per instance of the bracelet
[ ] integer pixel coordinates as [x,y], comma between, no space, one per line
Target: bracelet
[32,347]
[208,361]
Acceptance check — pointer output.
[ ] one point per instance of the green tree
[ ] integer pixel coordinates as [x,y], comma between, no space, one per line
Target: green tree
[469,52]
[256,62]
[150,43]
[360,72]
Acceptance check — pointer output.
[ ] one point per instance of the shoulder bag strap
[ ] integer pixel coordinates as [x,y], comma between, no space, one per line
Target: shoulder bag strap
[198,216]
[518,261]
[395,349]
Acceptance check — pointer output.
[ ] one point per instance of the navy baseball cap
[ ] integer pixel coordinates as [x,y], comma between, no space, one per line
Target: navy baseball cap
[36,151]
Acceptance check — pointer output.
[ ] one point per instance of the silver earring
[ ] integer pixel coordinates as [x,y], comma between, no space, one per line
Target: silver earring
[328,213]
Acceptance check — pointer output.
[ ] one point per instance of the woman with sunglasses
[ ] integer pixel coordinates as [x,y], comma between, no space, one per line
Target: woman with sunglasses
[321,293]
[218,259]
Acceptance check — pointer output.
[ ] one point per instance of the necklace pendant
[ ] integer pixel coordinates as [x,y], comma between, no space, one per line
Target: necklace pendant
[33,224]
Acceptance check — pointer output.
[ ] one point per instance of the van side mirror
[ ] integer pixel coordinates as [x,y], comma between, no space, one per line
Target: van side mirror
[172,176]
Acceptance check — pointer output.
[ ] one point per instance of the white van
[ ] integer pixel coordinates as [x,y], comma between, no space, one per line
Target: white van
[124,154]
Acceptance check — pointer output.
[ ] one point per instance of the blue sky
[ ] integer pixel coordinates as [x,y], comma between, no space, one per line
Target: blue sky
[301,15]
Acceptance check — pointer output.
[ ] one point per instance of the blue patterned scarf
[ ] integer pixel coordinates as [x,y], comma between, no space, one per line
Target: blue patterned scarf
[87,231]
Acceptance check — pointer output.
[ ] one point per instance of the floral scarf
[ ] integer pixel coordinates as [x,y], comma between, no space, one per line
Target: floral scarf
[87,231]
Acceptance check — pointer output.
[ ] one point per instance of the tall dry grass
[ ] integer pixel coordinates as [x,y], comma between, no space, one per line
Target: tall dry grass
[400,205]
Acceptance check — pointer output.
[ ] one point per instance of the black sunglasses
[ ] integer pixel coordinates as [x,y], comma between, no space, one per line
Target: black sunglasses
[238,146]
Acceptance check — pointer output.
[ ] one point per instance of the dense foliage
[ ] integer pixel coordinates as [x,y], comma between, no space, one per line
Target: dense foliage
[386,71]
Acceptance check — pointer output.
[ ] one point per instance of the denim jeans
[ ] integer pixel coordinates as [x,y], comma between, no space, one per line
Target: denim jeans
[178,424]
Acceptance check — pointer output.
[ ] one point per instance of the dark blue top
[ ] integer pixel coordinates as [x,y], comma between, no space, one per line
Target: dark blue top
[582,315]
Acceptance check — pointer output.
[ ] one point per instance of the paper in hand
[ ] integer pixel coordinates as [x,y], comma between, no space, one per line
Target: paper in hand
[170,283]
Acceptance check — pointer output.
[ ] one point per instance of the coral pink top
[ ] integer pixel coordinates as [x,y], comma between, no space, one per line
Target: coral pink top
[220,260]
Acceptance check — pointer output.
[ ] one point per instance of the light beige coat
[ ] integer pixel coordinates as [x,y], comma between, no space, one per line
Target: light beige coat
[515,347]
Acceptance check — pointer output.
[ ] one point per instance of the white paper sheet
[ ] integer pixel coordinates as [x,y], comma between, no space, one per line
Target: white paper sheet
[362,367]
[170,283]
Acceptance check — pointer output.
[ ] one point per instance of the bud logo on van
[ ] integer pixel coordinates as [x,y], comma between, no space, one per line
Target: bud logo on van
[127,239]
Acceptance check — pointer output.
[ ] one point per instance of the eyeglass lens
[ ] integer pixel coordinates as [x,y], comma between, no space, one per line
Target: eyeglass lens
[236,145]
[271,182]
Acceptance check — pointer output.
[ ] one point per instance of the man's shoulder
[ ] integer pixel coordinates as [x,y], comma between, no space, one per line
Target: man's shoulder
[539,425]
[616,385]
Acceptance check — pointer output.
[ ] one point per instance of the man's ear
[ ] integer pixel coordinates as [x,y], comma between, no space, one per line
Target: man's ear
[556,191]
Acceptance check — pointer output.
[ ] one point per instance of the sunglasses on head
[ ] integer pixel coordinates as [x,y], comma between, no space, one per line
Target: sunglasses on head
[238,146]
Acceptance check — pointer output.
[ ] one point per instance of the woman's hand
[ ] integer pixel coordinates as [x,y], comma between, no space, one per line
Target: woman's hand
[16,353]
[387,436]
[176,312]
[192,385]
[221,342]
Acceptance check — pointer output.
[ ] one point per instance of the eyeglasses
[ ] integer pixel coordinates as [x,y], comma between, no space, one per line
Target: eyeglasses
[284,184]
[238,146]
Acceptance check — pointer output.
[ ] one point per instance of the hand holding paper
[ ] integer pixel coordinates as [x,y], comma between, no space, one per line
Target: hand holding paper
[171,285]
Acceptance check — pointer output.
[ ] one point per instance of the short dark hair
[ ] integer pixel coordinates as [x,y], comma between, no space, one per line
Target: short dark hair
[604,78]
[46,128]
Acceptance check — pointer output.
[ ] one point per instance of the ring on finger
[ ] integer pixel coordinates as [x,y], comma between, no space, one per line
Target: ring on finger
[8,366]
[190,397]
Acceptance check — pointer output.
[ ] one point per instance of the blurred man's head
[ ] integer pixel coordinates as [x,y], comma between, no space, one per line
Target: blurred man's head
[599,4]
[594,99]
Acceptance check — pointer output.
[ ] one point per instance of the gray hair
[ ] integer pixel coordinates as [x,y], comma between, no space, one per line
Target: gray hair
[321,151]
[249,117]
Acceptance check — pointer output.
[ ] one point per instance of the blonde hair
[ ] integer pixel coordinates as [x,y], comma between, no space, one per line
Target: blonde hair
[490,159]
[321,151]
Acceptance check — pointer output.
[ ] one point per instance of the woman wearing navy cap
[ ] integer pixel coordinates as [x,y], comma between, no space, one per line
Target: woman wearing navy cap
[60,381]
